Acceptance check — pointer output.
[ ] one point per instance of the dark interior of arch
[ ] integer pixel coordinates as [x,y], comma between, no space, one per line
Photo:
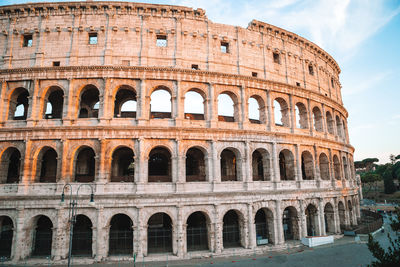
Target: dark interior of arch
[329,218]
[123,165]
[6,236]
[14,164]
[289,221]
[160,165]
[85,166]
[311,217]
[124,95]
[88,101]
[258,166]
[342,216]
[324,167]
[159,233]
[82,237]
[262,231]
[336,167]
[195,165]
[231,230]
[56,100]
[286,165]
[196,232]
[307,166]
[48,170]
[21,101]
[228,166]
[43,237]
[121,235]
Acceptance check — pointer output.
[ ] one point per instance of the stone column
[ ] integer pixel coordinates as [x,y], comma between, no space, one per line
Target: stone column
[140,162]
[180,234]
[143,103]
[104,166]
[269,111]
[140,234]
[298,174]
[3,101]
[218,226]
[321,217]
[292,114]
[251,227]
[216,163]
[278,227]
[19,249]
[310,118]
[212,105]
[244,118]
[60,235]
[33,100]
[325,127]
[336,216]
[302,221]
[247,170]
[101,234]
[276,176]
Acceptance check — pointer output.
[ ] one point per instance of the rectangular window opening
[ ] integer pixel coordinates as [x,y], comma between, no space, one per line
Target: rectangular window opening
[56,63]
[332,83]
[310,70]
[195,67]
[161,41]
[224,47]
[28,40]
[254,74]
[93,38]
[277,58]
[297,84]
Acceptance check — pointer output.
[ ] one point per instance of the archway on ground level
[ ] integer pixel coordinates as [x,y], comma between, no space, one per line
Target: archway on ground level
[286,165]
[159,165]
[85,165]
[159,233]
[195,165]
[125,103]
[329,217]
[342,216]
[6,236]
[54,103]
[264,227]
[231,230]
[123,165]
[43,237]
[197,232]
[290,223]
[311,213]
[48,166]
[228,166]
[350,207]
[307,166]
[10,166]
[82,237]
[121,235]
[324,167]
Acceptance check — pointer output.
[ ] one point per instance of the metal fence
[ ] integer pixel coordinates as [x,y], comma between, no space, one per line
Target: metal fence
[159,240]
[231,235]
[121,242]
[370,222]
[197,238]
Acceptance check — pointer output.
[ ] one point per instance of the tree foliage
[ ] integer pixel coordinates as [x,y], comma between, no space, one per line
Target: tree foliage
[388,183]
[370,180]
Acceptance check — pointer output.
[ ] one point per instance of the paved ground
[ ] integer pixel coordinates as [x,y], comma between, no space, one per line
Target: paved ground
[344,252]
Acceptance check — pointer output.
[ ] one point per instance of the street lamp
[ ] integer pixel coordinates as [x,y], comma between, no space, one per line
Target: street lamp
[73,202]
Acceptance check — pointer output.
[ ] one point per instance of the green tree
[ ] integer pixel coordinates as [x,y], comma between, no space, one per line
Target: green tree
[388,183]
[370,181]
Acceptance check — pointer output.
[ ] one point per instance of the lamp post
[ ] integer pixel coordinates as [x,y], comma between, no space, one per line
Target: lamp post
[73,202]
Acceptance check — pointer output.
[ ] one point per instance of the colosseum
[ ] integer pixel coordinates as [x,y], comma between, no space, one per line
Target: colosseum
[246,149]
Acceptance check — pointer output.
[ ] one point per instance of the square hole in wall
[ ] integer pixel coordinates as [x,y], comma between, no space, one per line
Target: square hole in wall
[27,40]
[56,63]
[297,84]
[93,38]
[310,69]
[277,58]
[161,41]
[224,47]
[254,74]
[195,67]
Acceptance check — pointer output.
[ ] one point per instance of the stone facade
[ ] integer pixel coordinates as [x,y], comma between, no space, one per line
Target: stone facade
[246,181]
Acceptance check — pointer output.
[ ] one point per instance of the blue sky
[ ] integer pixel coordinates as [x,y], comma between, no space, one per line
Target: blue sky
[364,38]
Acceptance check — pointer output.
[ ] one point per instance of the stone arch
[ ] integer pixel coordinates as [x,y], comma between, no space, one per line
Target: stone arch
[18,104]
[330,123]
[342,216]
[264,224]
[311,213]
[230,167]
[233,222]
[89,102]
[85,163]
[290,221]
[261,165]
[286,165]
[159,108]
[336,167]
[6,236]
[195,165]
[307,166]
[281,112]
[329,217]
[318,119]
[82,237]
[53,103]
[324,166]
[159,165]
[42,236]
[194,104]
[121,235]
[122,165]
[47,165]
[302,116]
[225,99]
[11,165]
[125,101]
[197,230]
[256,105]
[159,233]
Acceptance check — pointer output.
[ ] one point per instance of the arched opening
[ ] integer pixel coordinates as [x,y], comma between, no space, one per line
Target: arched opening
[286,165]
[231,230]
[256,110]
[345,168]
[85,165]
[350,207]
[11,164]
[194,106]
[6,236]
[318,120]
[281,112]
[311,220]
[160,165]
[261,165]
[307,166]
[160,104]
[302,116]
[195,165]
[82,237]
[159,233]
[330,123]
[339,127]
[329,217]
[123,165]
[121,235]
[228,166]
[54,103]
[324,167]
[19,103]
[125,103]
[226,108]
[336,167]
[48,167]
[264,226]
[342,216]
[290,224]
[197,232]
[89,102]
[43,237]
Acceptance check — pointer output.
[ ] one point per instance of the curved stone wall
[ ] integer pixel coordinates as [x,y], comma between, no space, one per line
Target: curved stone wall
[245,182]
